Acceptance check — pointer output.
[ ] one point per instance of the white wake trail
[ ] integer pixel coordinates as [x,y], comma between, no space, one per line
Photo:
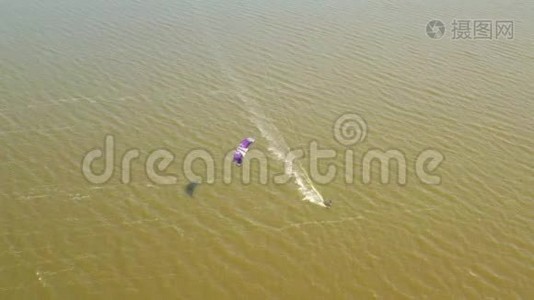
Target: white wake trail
[279,148]
[277,145]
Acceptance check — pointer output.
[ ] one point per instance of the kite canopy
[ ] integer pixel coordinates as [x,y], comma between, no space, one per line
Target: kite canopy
[242,150]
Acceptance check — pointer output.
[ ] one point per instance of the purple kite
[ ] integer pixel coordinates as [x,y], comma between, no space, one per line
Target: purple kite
[242,149]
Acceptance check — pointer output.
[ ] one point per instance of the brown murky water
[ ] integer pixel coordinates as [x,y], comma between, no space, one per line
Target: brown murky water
[202,75]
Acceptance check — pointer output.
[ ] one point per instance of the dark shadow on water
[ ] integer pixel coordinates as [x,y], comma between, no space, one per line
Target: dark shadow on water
[190,188]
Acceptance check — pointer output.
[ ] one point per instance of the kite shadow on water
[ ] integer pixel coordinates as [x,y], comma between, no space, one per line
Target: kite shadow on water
[190,188]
